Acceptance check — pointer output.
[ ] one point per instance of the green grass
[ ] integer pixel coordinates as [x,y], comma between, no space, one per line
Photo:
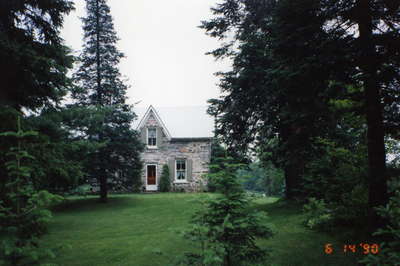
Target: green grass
[295,245]
[143,230]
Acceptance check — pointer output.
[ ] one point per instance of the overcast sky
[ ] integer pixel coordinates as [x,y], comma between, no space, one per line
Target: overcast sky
[165,50]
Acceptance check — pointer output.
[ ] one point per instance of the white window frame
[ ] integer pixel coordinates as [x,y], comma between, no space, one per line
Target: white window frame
[147,138]
[176,171]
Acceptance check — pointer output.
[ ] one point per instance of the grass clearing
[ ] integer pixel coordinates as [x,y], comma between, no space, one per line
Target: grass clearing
[142,229]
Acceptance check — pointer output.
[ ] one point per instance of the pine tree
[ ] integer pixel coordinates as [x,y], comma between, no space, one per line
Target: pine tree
[33,59]
[99,85]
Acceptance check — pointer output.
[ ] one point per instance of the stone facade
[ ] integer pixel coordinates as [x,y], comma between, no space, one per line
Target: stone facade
[195,152]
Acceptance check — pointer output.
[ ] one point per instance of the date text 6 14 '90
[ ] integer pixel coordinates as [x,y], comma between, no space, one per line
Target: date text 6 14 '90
[363,248]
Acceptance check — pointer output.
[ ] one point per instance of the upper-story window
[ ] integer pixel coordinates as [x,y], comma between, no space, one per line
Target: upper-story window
[152,137]
[180,170]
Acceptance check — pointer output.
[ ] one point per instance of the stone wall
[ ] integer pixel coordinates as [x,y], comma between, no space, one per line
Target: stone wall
[197,150]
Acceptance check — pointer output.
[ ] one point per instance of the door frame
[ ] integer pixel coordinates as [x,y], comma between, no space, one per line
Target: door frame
[151,187]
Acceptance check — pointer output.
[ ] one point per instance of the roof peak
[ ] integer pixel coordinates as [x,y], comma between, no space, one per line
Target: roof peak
[158,118]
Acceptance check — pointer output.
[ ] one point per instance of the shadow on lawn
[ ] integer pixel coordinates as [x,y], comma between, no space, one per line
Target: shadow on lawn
[91,203]
[280,207]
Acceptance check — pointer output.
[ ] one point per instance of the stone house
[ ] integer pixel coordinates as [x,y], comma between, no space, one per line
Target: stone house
[188,158]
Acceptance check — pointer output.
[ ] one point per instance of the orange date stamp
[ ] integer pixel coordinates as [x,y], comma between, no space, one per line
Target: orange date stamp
[363,248]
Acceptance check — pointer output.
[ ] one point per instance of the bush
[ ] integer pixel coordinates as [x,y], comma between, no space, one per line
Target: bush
[353,207]
[337,174]
[389,253]
[318,216]
[165,181]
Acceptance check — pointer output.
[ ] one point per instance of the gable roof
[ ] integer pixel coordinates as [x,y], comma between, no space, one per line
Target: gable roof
[182,121]
[152,110]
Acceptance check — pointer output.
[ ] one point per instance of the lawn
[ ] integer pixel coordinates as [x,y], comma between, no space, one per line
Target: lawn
[143,229]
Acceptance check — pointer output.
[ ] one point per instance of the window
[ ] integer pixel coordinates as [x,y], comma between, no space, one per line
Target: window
[180,170]
[151,136]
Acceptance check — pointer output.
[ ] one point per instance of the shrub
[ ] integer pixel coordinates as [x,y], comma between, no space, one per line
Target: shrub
[353,207]
[317,215]
[389,253]
[165,181]
[337,175]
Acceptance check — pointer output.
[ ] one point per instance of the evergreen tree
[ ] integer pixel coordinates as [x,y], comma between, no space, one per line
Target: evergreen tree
[165,181]
[33,62]
[99,85]
[289,73]
[23,211]
[227,228]
[277,84]
[60,155]
[375,58]
[217,154]
[33,59]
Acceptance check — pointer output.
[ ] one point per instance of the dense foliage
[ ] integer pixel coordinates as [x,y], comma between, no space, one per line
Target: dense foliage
[165,180]
[227,228]
[60,157]
[23,210]
[34,64]
[389,253]
[33,59]
[326,91]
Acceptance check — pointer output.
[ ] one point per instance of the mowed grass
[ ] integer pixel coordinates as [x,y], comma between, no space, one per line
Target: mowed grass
[143,229]
[295,245]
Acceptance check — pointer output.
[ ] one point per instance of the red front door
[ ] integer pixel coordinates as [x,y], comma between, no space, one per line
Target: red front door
[151,175]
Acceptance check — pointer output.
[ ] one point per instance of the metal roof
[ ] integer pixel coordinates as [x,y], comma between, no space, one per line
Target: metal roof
[181,122]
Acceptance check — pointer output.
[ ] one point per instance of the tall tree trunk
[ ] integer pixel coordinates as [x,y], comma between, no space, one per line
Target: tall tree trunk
[99,94]
[103,187]
[375,134]
[227,259]
[293,168]
[291,181]
[102,172]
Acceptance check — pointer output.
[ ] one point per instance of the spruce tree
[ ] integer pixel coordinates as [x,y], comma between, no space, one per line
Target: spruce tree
[33,60]
[23,211]
[99,86]
[227,228]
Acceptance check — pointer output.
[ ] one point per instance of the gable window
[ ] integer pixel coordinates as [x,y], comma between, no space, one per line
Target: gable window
[180,170]
[152,137]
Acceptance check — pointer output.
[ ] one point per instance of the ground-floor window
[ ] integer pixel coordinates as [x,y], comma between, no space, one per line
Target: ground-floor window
[180,169]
